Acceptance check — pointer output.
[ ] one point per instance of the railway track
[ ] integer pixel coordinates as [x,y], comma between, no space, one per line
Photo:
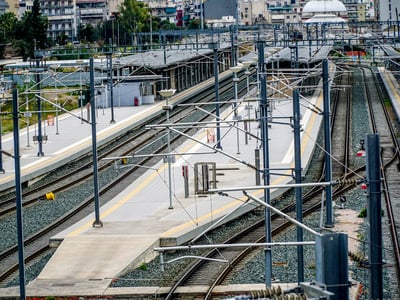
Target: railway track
[133,142]
[340,126]
[211,273]
[382,125]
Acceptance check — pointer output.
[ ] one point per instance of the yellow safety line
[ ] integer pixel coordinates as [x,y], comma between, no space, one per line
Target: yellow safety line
[129,196]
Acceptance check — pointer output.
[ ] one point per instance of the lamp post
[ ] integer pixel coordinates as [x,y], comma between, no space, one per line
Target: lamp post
[117,63]
[215,46]
[39,108]
[56,101]
[235,70]
[110,84]
[167,94]
[80,62]
[247,64]
[255,61]
[27,113]
[1,146]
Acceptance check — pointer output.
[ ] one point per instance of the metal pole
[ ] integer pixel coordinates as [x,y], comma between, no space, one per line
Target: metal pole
[39,109]
[18,194]
[169,157]
[236,44]
[97,222]
[56,101]
[292,220]
[27,113]
[374,217]
[56,115]
[235,245]
[201,15]
[80,90]
[110,85]
[257,164]
[297,177]
[166,94]
[233,55]
[216,88]
[266,175]
[327,131]
[1,144]
[235,113]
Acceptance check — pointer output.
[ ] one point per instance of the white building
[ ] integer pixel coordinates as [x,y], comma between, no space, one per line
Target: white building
[388,10]
[253,12]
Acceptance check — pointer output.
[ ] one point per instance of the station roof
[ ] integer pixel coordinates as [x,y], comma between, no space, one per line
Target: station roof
[154,59]
[306,55]
[390,51]
[160,59]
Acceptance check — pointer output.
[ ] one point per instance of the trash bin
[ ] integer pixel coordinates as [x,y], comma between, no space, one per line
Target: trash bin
[136,101]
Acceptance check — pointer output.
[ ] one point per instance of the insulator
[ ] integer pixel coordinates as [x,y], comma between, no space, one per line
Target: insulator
[347,181]
[273,291]
[279,290]
[268,292]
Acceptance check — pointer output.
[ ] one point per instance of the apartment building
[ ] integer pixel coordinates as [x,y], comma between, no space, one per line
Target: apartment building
[61,16]
[9,6]
[254,12]
[3,6]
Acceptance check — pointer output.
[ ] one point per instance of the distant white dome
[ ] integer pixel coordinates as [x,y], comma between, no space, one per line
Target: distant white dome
[324,6]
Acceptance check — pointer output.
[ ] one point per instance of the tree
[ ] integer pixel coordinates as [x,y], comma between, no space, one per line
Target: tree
[87,33]
[32,31]
[194,24]
[8,22]
[166,25]
[134,15]
[62,39]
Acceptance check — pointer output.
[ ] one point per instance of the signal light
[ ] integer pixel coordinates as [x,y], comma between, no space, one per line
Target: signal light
[361,153]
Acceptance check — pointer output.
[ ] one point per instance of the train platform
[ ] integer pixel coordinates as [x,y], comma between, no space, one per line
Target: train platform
[145,216]
[67,137]
[392,87]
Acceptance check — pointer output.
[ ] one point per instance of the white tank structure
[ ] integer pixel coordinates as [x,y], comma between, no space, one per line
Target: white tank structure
[332,13]
[324,7]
